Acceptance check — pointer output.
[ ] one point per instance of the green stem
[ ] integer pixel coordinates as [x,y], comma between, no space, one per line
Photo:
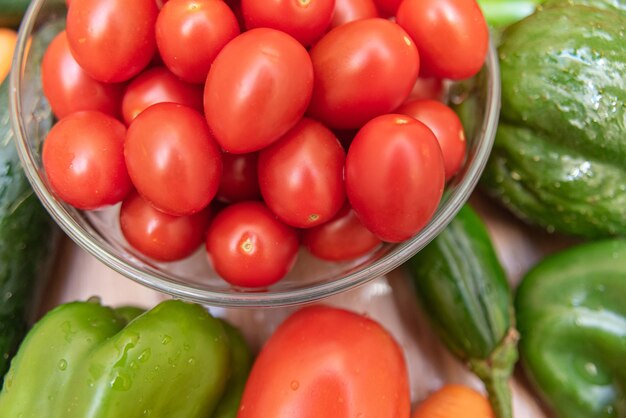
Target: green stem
[495,373]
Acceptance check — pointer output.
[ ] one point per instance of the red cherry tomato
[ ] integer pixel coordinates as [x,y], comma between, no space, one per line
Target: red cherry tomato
[351,10]
[451,35]
[428,88]
[172,159]
[258,88]
[239,178]
[388,8]
[158,85]
[305,20]
[158,235]
[112,40]
[394,176]
[69,89]
[249,247]
[362,69]
[328,362]
[342,238]
[301,175]
[190,33]
[83,156]
[447,128]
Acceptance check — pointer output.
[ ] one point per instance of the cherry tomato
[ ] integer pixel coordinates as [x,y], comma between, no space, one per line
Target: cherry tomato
[249,247]
[305,20]
[83,156]
[388,8]
[190,33]
[428,88]
[394,176]
[301,175]
[239,178]
[258,88]
[112,40]
[69,89]
[158,235]
[158,85]
[342,238]
[447,128]
[172,159]
[358,76]
[451,35]
[350,10]
[8,39]
[328,362]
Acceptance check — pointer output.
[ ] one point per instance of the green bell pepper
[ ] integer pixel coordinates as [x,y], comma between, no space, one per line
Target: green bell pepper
[83,359]
[571,314]
[500,13]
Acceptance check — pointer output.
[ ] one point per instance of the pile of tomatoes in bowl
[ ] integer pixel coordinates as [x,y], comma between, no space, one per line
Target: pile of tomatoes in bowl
[255,127]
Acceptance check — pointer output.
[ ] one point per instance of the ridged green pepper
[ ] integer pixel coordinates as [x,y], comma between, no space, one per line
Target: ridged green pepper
[571,313]
[558,158]
[85,360]
[464,291]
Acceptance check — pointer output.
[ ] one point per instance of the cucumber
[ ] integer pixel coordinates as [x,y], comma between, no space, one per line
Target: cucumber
[558,158]
[462,286]
[27,241]
[11,12]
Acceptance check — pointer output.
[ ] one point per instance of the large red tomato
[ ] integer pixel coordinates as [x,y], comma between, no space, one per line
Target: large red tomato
[363,69]
[258,88]
[351,10]
[328,362]
[249,247]
[451,35]
[172,159]
[158,85]
[190,34]
[83,156]
[301,175]
[305,20]
[112,40]
[69,89]
[394,176]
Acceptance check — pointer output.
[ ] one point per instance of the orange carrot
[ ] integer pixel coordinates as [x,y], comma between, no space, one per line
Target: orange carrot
[454,401]
[8,39]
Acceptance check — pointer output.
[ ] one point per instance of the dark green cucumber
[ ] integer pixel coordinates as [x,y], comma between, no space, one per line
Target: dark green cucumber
[11,12]
[558,157]
[464,291]
[27,240]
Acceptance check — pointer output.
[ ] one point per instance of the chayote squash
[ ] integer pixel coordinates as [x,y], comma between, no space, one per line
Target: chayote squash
[559,159]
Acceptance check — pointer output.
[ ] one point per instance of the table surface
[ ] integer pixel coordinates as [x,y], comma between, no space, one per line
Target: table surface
[78,275]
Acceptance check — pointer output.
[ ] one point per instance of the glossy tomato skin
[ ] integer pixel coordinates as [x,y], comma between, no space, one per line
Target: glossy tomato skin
[342,238]
[305,20]
[258,88]
[190,34]
[112,40]
[451,35]
[394,176]
[447,128]
[69,89]
[239,180]
[158,85]
[172,159]
[350,10]
[359,77]
[83,156]
[301,175]
[249,247]
[158,235]
[328,362]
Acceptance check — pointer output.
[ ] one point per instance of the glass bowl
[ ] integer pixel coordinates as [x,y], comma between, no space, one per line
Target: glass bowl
[193,279]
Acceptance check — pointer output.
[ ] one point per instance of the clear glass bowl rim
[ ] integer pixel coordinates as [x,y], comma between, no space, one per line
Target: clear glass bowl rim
[401,253]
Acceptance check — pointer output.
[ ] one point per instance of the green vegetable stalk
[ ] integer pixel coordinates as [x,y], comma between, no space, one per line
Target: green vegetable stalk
[571,311]
[85,360]
[463,289]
